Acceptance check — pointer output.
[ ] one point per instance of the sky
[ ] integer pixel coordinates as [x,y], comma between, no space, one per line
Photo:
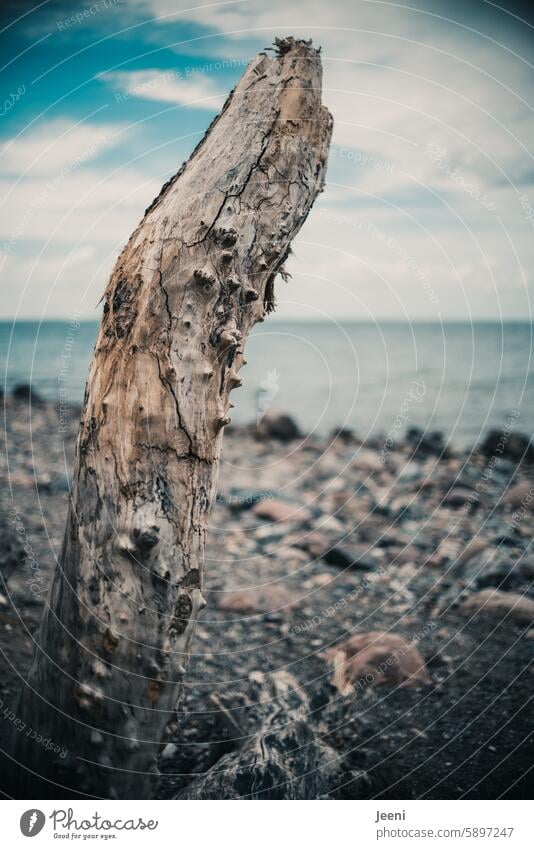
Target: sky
[428,211]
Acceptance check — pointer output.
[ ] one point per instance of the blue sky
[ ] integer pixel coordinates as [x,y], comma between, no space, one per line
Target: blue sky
[428,211]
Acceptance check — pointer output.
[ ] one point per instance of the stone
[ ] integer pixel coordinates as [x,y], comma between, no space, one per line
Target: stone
[473,547]
[169,752]
[323,579]
[344,434]
[314,543]
[350,557]
[410,472]
[494,568]
[12,553]
[426,443]
[520,495]
[458,497]
[277,425]
[276,510]
[514,446]
[373,658]
[328,524]
[502,605]
[243,499]
[366,461]
[24,392]
[268,599]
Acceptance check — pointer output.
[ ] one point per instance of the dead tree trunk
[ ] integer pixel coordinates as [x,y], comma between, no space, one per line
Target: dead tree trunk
[196,275]
[282,757]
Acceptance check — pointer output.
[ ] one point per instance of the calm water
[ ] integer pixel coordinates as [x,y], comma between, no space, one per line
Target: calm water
[459,378]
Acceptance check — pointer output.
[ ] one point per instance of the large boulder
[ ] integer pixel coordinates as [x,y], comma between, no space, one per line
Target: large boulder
[501,605]
[350,556]
[426,443]
[514,446]
[375,657]
[492,567]
[24,392]
[277,425]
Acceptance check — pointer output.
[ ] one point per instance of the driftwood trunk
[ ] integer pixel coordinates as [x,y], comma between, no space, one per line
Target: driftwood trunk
[194,278]
[281,757]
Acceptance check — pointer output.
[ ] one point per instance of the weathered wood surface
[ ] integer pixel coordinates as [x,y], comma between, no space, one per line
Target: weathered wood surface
[282,757]
[281,747]
[194,278]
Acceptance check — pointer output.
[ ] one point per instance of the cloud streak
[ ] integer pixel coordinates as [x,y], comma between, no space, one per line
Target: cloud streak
[194,90]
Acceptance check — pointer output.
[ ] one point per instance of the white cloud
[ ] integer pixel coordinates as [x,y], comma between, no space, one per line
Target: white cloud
[397,81]
[195,90]
[57,146]
[95,200]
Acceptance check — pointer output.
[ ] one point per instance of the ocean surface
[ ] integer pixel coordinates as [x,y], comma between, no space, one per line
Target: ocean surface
[374,378]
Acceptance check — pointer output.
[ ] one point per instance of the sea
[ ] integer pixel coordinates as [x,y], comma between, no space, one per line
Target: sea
[373,378]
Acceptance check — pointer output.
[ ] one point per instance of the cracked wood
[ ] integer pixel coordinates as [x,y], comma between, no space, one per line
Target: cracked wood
[194,278]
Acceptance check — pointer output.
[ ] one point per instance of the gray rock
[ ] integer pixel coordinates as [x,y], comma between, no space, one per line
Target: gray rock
[514,446]
[350,557]
[494,568]
[24,392]
[277,425]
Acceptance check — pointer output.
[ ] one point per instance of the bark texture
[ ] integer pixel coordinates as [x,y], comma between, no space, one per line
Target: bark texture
[194,278]
[283,757]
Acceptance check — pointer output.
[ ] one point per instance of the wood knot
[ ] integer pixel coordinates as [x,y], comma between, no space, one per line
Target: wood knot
[182,614]
[220,422]
[251,295]
[227,237]
[110,641]
[203,278]
[233,284]
[234,381]
[145,539]
[88,697]
[228,339]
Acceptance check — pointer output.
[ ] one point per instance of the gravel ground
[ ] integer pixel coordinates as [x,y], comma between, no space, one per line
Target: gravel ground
[316,542]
